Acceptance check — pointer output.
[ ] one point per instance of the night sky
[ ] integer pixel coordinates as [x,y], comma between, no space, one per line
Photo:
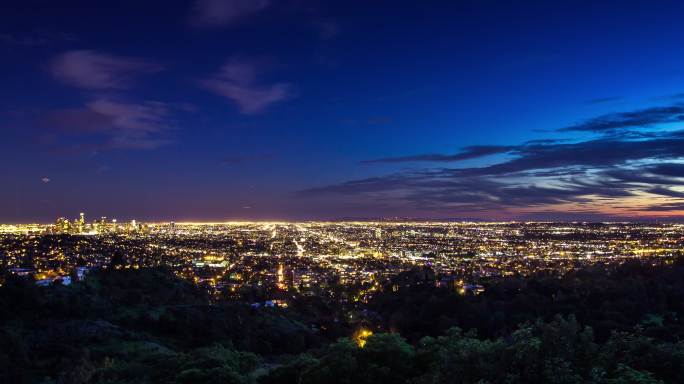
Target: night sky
[267,109]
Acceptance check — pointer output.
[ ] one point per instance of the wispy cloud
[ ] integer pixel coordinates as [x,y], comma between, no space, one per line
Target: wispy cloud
[471,152]
[109,124]
[607,176]
[633,119]
[222,13]
[603,100]
[237,81]
[94,70]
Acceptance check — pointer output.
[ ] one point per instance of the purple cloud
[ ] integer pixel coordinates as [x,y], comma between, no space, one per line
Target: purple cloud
[222,13]
[114,124]
[237,81]
[99,71]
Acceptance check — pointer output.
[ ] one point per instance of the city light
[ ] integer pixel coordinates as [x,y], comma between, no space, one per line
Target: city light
[281,258]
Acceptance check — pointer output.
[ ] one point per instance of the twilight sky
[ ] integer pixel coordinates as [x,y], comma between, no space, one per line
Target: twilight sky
[306,109]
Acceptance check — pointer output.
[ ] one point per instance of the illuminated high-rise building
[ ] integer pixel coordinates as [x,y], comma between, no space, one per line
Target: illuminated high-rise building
[62,225]
[80,223]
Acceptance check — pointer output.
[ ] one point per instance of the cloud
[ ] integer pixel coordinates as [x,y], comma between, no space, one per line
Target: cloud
[635,119]
[99,71]
[666,207]
[665,192]
[223,13]
[668,169]
[471,152]
[611,175]
[596,153]
[603,100]
[438,192]
[237,81]
[113,124]
[45,180]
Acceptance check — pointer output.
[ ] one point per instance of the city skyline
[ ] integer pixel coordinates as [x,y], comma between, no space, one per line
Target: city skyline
[335,192]
[257,110]
[84,224]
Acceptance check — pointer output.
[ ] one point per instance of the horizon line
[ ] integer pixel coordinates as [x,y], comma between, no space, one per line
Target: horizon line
[678,220]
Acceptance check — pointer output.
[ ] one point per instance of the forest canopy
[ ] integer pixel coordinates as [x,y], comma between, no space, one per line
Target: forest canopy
[596,325]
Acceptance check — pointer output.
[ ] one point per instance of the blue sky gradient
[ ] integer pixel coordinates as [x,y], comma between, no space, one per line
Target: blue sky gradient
[303,109]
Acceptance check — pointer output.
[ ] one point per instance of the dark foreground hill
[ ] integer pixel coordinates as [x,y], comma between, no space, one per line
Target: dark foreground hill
[147,326]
